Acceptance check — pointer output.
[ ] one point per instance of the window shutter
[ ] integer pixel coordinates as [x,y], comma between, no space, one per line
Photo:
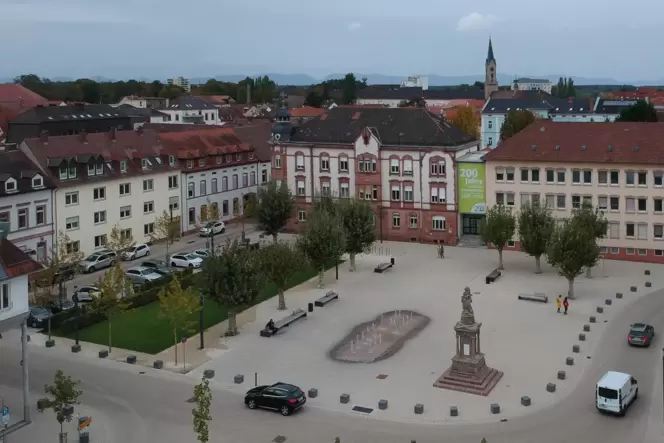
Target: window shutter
[434,192]
[300,161]
[394,162]
[441,194]
[408,166]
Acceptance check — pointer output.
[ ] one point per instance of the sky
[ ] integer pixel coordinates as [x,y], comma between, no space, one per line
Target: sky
[197,38]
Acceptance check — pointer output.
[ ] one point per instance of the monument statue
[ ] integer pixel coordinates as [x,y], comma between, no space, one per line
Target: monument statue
[467,313]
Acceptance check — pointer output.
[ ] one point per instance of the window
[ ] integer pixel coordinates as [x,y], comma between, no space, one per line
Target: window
[299,162]
[413,220]
[614,203]
[148,229]
[658,231]
[37,182]
[374,192]
[642,251]
[148,207]
[173,203]
[629,178]
[576,201]
[172,181]
[550,201]
[396,193]
[396,220]
[148,185]
[91,170]
[576,177]
[642,231]
[603,202]
[144,163]
[245,179]
[525,199]
[629,251]
[100,240]
[123,166]
[500,174]
[125,189]
[535,175]
[191,192]
[218,159]
[642,178]
[659,252]
[213,186]
[408,167]
[642,204]
[238,156]
[264,176]
[300,187]
[510,174]
[408,193]
[234,183]
[202,187]
[71,223]
[277,161]
[224,207]
[72,170]
[490,124]
[614,230]
[171,160]
[100,217]
[125,212]
[325,188]
[201,162]
[71,198]
[500,198]
[587,200]
[657,204]
[438,223]
[252,178]
[657,178]
[23,218]
[63,172]
[343,164]
[560,201]
[490,141]
[344,191]
[5,299]
[190,163]
[438,169]
[99,193]
[438,195]
[394,166]
[229,158]
[524,174]
[560,177]
[587,176]
[615,178]
[550,176]
[325,163]
[630,204]
[630,229]
[204,212]
[603,177]
[40,213]
[301,215]
[224,184]
[74,246]
[373,165]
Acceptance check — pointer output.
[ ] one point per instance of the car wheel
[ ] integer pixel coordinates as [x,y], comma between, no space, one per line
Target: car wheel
[147,253]
[251,404]
[285,411]
[34,324]
[91,269]
[223,230]
[173,264]
[191,265]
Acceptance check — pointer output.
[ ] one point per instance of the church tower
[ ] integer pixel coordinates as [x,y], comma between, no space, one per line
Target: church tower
[490,82]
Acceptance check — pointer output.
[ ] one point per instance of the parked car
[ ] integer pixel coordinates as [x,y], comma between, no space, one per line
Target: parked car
[85,294]
[98,260]
[38,317]
[141,275]
[202,253]
[55,307]
[136,251]
[212,228]
[282,397]
[640,334]
[184,260]
[158,266]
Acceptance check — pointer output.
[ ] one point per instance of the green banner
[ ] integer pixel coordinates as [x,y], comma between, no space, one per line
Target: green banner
[472,194]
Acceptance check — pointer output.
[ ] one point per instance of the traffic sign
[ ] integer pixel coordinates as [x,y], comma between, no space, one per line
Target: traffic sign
[5,415]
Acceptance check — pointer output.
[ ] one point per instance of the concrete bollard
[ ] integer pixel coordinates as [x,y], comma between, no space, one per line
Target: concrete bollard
[525,401]
[608,302]
[600,310]
[50,343]
[586,328]
[561,375]
[382,404]
[312,393]
[632,288]
[75,348]
[158,364]
[576,349]
[344,398]
[419,408]
[648,284]
[208,373]
[569,361]
[238,379]
[619,295]
[131,359]
[103,353]
[454,411]
[550,387]
[582,336]
[495,408]
[592,319]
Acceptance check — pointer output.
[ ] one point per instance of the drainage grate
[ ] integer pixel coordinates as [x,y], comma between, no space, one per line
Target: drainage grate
[279,439]
[381,376]
[362,409]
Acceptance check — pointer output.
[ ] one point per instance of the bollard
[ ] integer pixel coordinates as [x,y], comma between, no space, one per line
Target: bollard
[419,408]
[495,408]
[619,295]
[50,343]
[238,379]
[632,288]
[103,353]
[131,359]
[586,328]
[608,302]
[582,336]
[525,401]
[600,310]
[648,284]
[208,373]
[576,349]
[561,375]
[312,393]
[344,398]
[647,272]
[592,319]
[454,411]
[311,307]
[382,404]
[550,387]
[569,361]
[158,364]
[75,348]
[392,261]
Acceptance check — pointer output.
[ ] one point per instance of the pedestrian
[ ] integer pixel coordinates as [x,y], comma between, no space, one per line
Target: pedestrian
[559,302]
[565,305]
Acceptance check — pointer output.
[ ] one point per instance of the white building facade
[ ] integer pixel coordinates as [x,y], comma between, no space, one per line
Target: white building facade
[188,110]
[181,82]
[532,84]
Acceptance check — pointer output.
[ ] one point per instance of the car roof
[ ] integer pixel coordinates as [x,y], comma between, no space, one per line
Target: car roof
[639,327]
[613,380]
[139,268]
[285,386]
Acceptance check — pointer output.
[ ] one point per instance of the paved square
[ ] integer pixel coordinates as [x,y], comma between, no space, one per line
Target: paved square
[526,340]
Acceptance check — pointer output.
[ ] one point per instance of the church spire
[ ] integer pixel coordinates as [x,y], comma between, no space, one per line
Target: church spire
[489,56]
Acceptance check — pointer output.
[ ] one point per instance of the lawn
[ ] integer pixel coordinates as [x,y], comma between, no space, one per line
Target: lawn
[144,330]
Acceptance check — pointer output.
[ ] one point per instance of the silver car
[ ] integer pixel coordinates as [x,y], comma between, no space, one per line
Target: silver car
[141,275]
[98,260]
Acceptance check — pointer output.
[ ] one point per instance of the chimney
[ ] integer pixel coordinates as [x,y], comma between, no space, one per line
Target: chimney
[112,133]
[43,137]
[83,135]
[248,93]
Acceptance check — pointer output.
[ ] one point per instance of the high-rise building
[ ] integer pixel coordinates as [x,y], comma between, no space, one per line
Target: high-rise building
[181,82]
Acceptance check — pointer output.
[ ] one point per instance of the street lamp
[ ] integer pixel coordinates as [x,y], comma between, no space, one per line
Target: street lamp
[78,313]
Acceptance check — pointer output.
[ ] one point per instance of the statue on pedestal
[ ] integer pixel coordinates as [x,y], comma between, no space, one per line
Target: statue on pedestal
[467,313]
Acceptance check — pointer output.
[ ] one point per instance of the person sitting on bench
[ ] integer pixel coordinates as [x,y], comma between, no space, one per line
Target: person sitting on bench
[271,327]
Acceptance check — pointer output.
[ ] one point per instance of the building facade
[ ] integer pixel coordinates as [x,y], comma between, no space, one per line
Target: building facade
[188,110]
[532,84]
[401,160]
[618,168]
[180,82]
[26,203]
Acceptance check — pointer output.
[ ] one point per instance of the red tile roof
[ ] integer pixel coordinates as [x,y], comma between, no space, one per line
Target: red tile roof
[202,143]
[257,134]
[306,111]
[14,262]
[18,95]
[612,143]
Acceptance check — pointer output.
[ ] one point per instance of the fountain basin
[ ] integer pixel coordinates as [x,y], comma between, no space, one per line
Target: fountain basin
[379,338]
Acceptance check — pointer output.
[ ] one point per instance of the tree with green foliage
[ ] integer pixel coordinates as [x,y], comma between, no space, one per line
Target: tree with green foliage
[515,122]
[119,240]
[349,89]
[595,223]
[166,229]
[233,278]
[641,111]
[498,228]
[274,207]
[63,394]
[178,306]
[535,228]
[114,290]
[322,240]
[357,217]
[564,89]
[280,261]
[201,412]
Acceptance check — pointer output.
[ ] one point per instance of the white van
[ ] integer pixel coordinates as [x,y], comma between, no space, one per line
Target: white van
[615,392]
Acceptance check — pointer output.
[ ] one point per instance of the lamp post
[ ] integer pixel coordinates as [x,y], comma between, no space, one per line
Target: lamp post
[78,313]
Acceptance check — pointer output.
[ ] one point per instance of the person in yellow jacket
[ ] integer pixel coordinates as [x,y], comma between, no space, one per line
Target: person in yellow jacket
[559,303]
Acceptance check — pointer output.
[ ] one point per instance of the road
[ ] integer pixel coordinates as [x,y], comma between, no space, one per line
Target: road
[151,407]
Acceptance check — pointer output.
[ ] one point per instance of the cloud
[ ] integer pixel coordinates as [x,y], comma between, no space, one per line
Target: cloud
[354,26]
[476,21]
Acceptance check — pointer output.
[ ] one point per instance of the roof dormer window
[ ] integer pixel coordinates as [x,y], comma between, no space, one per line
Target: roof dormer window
[91,170]
[144,163]
[219,159]
[171,160]
[10,185]
[201,162]
[100,169]
[37,181]
[72,170]
[123,166]
[63,172]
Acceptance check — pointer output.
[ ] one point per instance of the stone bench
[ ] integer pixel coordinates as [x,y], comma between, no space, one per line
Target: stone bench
[538,297]
[493,276]
[383,267]
[331,295]
[284,323]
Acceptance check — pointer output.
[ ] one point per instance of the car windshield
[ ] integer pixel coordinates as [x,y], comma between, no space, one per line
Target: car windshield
[38,311]
[209,225]
[132,249]
[639,332]
[93,257]
[190,257]
[611,394]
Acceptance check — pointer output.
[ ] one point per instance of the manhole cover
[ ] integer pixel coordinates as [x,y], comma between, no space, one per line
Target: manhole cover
[381,376]
[191,400]
[362,409]
[606,321]
[279,439]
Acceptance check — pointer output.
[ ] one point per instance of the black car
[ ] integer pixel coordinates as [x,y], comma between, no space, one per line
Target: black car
[38,317]
[56,307]
[281,397]
[640,334]
[159,266]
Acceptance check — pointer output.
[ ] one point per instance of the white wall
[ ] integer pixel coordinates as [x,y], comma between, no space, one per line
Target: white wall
[18,294]
[28,239]
[177,115]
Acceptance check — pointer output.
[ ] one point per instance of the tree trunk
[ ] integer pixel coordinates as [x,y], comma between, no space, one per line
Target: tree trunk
[274,237]
[589,272]
[352,262]
[321,276]
[232,324]
[500,259]
[570,290]
[538,266]
[175,339]
[109,333]
[282,300]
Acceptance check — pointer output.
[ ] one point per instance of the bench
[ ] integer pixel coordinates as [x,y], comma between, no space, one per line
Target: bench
[537,296]
[284,322]
[383,267]
[331,295]
[493,275]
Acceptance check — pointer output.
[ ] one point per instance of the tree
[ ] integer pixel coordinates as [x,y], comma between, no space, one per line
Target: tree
[313,99]
[322,240]
[248,211]
[560,90]
[498,228]
[467,120]
[63,394]
[62,257]
[201,412]
[535,228]
[114,289]
[119,240]
[166,228]
[358,223]
[178,306]
[641,111]
[280,261]
[233,279]
[274,207]
[570,91]
[515,122]
[594,222]
[349,89]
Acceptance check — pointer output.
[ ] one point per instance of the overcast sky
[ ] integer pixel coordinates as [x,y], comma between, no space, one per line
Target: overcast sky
[164,38]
